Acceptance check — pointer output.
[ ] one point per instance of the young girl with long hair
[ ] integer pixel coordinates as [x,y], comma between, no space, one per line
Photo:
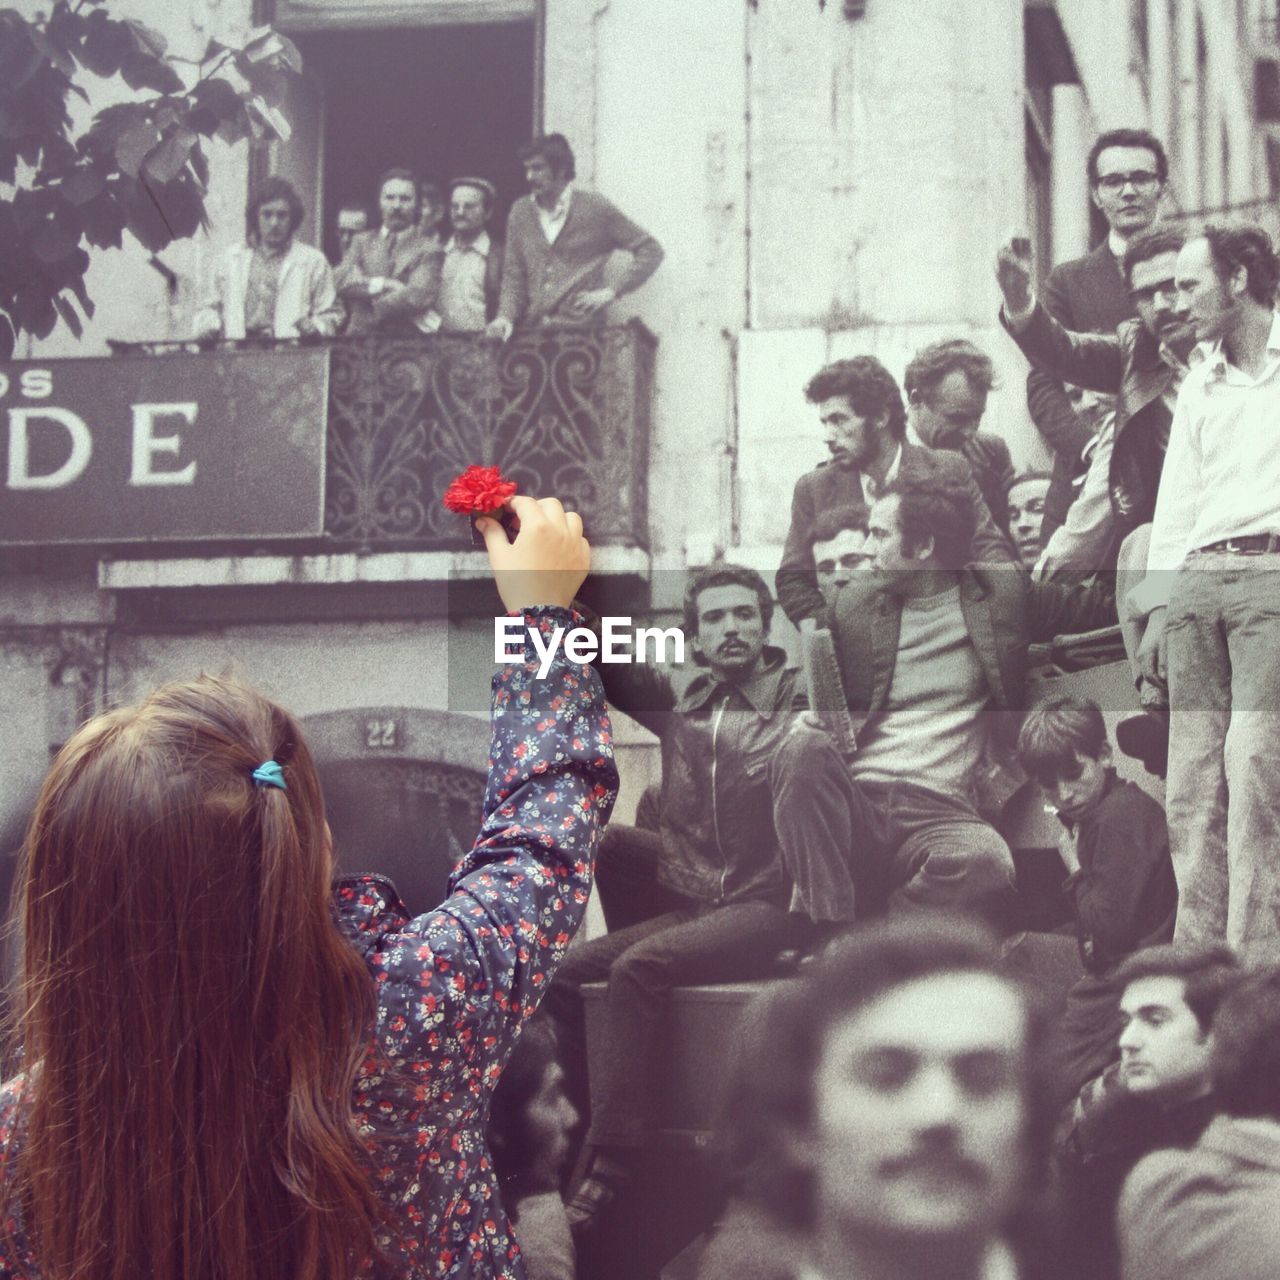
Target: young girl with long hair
[230,1068]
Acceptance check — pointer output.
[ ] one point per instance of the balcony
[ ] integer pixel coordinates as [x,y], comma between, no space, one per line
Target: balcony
[246,454]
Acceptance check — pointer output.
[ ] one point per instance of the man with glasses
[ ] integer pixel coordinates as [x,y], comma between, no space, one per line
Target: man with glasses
[1127,170]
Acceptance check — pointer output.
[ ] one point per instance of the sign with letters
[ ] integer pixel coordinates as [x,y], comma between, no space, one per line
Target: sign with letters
[172,448]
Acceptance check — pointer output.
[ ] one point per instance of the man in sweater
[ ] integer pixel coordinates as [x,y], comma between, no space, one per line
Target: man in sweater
[865,428]
[1127,169]
[559,240]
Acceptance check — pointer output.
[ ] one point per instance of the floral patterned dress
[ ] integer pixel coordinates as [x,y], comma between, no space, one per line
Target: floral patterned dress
[455,985]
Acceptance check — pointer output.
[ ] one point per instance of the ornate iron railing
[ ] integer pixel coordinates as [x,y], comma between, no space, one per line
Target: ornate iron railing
[560,411]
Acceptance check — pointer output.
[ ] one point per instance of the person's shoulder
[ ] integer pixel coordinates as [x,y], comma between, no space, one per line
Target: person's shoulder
[817,478]
[946,464]
[308,254]
[1171,1174]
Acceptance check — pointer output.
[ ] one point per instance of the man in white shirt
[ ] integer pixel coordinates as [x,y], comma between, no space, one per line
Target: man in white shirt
[472,272]
[1212,595]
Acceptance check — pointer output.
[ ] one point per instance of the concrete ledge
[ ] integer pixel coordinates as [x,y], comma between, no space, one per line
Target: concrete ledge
[328,570]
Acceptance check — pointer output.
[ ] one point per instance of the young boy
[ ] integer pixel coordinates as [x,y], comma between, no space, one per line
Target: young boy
[1115,846]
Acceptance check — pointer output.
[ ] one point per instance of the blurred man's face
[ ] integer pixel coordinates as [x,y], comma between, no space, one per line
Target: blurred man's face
[730,629]
[950,416]
[398,202]
[1026,511]
[350,223]
[1204,299]
[274,221]
[467,213]
[851,439]
[1077,793]
[838,559]
[1164,1054]
[920,1111]
[543,183]
[1127,189]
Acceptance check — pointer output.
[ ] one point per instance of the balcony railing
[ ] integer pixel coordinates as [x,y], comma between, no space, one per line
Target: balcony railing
[563,411]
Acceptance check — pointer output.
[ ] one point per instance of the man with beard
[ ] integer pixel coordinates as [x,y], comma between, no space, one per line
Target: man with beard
[390,278]
[864,427]
[559,240]
[722,890]
[1212,595]
[1144,363]
[888,1116]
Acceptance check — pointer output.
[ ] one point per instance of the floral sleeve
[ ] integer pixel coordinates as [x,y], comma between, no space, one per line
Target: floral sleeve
[455,983]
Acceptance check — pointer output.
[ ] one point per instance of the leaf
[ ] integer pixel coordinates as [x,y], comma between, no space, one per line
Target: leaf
[104,222]
[48,49]
[146,40]
[33,308]
[105,44]
[199,165]
[82,185]
[65,27]
[82,294]
[145,71]
[68,314]
[269,82]
[272,120]
[134,145]
[168,160]
[218,99]
[7,337]
[58,235]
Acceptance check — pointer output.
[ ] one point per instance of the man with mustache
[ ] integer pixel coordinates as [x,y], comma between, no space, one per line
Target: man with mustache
[888,1117]
[864,428]
[721,899]
[1143,363]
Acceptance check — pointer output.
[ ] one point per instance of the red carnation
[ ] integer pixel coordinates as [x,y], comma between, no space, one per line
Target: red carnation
[478,491]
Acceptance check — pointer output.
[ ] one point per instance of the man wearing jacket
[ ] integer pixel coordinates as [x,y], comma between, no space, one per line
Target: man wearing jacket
[717,855]
[933,657]
[1127,169]
[271,286]
[864,426]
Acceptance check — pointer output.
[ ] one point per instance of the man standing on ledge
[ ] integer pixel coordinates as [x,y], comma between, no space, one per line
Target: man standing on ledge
[559,240]
[1212,596]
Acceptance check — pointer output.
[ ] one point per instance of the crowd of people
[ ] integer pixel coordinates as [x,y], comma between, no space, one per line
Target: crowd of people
[228,1068]
[431,267]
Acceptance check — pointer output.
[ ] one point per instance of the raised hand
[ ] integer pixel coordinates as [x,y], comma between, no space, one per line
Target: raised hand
[1013,274]
[548,560]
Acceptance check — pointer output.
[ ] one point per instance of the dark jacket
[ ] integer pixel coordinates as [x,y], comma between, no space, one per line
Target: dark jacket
[1087,295]
[1124,896]
[718,837]
[828,486]
[992,466]
[1127,363]
[1004,612]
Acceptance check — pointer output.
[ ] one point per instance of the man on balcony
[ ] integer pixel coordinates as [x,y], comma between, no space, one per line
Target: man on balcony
[559,242]
[472,271]
[271,286]
[390,278]
[865,427]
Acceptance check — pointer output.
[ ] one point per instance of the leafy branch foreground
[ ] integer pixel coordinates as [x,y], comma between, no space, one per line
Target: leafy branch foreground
[140,166]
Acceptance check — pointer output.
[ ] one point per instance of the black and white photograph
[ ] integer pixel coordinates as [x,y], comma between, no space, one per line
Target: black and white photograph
[640,640]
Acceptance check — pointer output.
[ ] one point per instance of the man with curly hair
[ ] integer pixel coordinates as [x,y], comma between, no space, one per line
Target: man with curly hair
[1212,595]
[865,429]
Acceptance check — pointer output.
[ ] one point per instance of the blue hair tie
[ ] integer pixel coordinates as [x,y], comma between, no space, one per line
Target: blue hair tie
[269,774]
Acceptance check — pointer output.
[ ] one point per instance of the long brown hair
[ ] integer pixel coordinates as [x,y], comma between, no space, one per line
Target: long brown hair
[191,1019]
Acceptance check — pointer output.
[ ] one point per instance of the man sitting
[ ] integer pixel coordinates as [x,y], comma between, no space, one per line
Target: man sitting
[272,286]
[928,650]
[726,898]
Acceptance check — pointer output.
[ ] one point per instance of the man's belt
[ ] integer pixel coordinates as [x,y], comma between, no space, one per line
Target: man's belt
[1253,544]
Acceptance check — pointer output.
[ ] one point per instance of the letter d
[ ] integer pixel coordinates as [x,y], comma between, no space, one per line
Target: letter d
[20,476]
